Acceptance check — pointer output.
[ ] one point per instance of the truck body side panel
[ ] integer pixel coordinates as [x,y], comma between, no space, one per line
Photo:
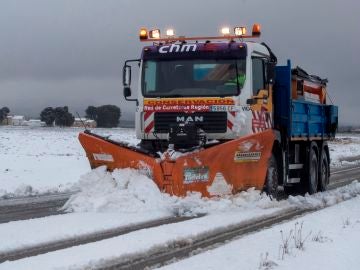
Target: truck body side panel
[299,119]
[310,120]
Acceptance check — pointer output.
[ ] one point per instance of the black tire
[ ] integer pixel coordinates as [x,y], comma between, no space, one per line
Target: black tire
[272,179]
[313,174]
[324,170]
[292,190]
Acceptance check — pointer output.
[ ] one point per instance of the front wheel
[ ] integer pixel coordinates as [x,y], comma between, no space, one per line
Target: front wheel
[272,179]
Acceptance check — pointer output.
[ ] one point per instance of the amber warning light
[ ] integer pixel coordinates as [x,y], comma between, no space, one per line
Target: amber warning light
[256,30]
[143,34]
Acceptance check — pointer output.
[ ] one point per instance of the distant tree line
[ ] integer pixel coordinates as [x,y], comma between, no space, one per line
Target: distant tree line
[105,115]
[4,111]
[60,115]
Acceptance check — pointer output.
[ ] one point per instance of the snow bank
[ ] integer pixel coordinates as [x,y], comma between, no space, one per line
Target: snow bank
[243,201]
[328,198]
[125,190]
[130,191]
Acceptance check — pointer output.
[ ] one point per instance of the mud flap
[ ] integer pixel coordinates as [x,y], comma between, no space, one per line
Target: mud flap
[222,169]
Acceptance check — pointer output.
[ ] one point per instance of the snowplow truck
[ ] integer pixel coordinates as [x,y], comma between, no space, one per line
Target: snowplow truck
[218,115]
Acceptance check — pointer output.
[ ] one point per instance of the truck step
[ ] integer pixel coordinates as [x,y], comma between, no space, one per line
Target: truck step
[293,180]
[295,166]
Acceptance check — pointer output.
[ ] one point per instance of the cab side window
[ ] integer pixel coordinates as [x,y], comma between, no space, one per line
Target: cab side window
[150,76]
[258,75]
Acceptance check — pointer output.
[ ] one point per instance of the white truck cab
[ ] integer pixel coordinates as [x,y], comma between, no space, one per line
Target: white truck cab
[221,88]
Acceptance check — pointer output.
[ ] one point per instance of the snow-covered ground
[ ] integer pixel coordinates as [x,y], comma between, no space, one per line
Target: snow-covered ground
[52,160]
[48,160]
[345,150]
[44,160]
[327,239]
[221,213]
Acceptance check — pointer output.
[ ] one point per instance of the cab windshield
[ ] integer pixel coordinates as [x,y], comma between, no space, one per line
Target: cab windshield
[186,78]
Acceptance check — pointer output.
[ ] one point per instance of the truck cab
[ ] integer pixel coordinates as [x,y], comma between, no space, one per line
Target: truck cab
[221,88]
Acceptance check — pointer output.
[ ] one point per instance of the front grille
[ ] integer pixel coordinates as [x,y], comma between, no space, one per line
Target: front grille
[210,122]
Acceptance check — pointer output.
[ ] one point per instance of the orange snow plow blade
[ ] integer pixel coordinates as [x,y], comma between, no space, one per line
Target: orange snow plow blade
[217,170]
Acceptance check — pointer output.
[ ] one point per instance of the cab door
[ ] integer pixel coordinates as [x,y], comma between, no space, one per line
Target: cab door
[261,101]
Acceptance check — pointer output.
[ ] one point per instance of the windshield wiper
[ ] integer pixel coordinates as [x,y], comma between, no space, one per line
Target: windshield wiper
[166,96]
[177,95]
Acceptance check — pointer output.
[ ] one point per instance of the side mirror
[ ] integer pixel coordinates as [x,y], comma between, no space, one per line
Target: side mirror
[127,91]
[126,75]
[253,101]
[127,80]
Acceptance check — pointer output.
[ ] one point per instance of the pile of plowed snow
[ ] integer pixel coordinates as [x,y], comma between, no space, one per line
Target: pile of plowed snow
[124,190]
[130,191]
[325,199]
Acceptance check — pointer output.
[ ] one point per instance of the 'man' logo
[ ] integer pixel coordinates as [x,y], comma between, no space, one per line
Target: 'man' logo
[187,119]
[178,48]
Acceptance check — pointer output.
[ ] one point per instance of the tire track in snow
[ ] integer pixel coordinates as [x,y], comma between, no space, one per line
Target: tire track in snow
[32,207]
[183,250]
[86,238]
[339,178]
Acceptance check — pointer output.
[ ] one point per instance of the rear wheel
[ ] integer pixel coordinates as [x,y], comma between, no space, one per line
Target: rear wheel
[313,174]
[323,171]
[272,179]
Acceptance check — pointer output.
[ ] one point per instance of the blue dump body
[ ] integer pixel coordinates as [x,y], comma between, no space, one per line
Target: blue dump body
[298,118]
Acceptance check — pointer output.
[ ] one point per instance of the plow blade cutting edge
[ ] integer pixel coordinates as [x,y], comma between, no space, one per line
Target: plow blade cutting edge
[218,170]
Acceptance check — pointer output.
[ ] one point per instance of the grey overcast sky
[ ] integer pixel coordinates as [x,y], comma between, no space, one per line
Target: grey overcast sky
[71,52]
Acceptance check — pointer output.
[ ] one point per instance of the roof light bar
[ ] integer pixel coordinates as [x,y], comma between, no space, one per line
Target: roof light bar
[239,32]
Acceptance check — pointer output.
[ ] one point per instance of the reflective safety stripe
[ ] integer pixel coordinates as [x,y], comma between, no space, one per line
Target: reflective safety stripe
[148,122]
[261,121]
